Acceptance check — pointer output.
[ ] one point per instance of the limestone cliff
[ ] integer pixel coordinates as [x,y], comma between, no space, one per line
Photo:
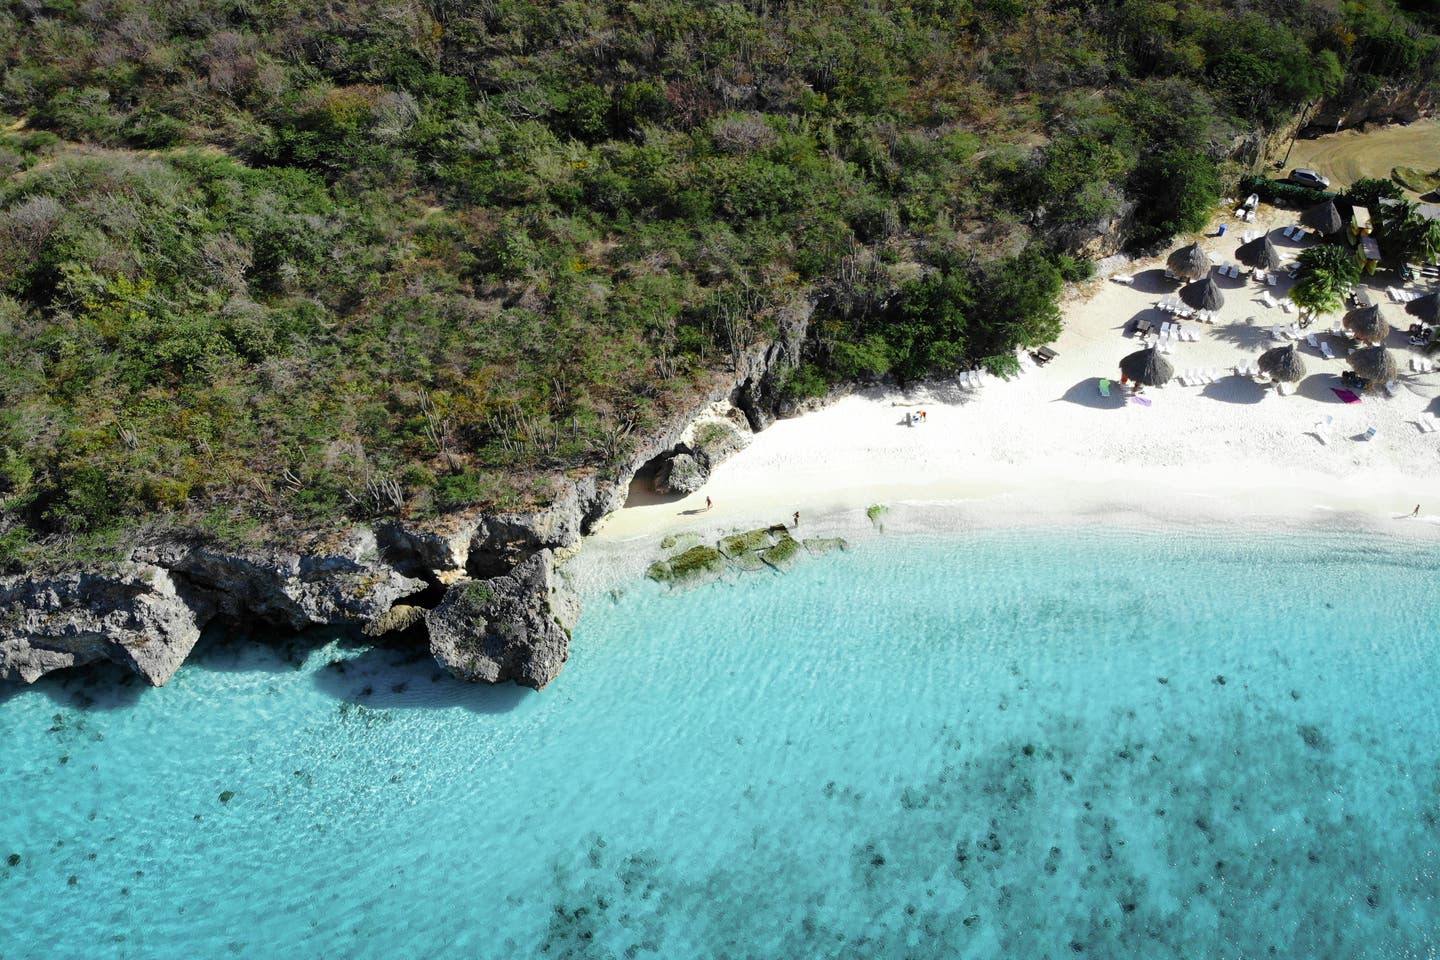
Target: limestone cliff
[147,612]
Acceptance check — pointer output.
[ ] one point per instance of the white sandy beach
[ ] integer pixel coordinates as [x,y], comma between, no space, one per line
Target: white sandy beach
[1046,445]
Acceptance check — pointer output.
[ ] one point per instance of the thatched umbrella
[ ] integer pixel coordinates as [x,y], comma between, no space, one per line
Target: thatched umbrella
[1148,368]
[1374,364]
[1323,217]
[1282,363]
[1189,262]
[1426,308]
[1367,324]
[1259,253]
[1203,294]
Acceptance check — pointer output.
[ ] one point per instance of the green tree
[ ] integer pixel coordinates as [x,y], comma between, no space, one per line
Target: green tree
[1325,274]
[1181,188]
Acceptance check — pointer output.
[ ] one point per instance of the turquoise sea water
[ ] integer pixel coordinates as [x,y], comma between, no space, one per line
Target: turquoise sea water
[1008,744]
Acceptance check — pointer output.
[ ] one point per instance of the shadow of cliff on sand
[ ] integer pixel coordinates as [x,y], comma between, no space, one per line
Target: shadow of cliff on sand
[388,679]
[1086,393]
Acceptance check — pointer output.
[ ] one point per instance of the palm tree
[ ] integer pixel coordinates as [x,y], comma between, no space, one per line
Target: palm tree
[1325,273]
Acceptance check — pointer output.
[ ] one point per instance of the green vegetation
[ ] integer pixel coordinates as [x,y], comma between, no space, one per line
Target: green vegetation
[1404,235]
[1325,273]
[266,265]
[1417,180]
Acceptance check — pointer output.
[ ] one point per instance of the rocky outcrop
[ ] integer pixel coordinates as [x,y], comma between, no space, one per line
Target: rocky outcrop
[511,627]
[1402,103]
[138,616]
[681,473]
[345,583]
[504,614]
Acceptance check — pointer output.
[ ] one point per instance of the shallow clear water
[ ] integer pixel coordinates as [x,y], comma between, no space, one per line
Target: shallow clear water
[1007,744]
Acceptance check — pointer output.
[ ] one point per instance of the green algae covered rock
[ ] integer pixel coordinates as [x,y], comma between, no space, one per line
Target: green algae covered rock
[697,563]
[747,542]
[823,545]
[783,555]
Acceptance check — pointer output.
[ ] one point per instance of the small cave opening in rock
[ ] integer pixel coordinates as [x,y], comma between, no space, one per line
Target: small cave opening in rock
[642,486]
[428,598]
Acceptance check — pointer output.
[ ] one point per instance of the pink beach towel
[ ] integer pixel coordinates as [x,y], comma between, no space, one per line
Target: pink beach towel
[1345,395]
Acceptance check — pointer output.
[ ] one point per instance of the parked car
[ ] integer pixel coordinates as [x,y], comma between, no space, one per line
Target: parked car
[1309,178]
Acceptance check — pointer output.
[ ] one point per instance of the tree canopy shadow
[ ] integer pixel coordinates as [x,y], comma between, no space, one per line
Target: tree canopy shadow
[1244,335]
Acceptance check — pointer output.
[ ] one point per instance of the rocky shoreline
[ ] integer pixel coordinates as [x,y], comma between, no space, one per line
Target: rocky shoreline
[484,587]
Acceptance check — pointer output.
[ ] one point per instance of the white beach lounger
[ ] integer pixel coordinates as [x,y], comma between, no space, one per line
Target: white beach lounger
[1266,299]
[1310,339]
[1124,278]
[1270,279]
[1392,388]
[1426,423]
[1369,433]
[1325,350]
[1322,428]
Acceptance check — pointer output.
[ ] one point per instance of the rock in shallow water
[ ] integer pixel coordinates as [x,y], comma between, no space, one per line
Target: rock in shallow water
[512,627]
[135,616]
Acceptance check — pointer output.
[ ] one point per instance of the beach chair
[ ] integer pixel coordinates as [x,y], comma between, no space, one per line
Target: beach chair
[1301,235]
[1104,388]
[1426,423]
[1310,339]
[1124,278]
[1369,433]
[1325,350]
[1270,279]
[1391,388]
[1288,233]
[1266,299]
[1322,428]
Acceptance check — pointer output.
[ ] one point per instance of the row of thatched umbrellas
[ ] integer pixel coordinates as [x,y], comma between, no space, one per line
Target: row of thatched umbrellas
[1151,368]
[1261,253]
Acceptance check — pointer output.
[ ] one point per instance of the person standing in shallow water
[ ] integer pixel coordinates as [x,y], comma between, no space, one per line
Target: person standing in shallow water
[797,518]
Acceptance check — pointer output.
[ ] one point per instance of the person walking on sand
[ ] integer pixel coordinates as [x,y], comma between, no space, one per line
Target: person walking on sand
[708,504]
[1413,513]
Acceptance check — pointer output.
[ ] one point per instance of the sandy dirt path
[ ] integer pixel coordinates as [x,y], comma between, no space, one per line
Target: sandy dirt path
[1347,156]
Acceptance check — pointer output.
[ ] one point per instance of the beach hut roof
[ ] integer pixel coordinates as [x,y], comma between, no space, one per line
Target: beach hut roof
[1426,309]
[1367,324]
[1260,253]
[1189,262]
[1282,363]
[1323,217]
[1203,294]
[1374,364]
[1147,367]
